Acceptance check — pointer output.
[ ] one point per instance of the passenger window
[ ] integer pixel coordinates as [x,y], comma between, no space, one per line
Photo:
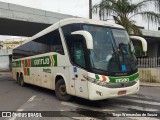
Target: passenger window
[50,42]
[56,44]
[75,44]
[79,57]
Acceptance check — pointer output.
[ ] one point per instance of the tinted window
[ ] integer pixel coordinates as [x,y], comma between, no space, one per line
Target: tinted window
[78,53]
[50,42]
[67,30]
[75,44]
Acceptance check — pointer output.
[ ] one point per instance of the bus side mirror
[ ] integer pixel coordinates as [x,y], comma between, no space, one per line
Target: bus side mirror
[144,42]
[87,36]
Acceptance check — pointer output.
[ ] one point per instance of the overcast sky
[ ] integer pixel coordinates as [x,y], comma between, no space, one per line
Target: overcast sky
[71,7]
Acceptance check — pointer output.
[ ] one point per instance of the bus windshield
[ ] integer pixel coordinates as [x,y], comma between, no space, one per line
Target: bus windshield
[112,50]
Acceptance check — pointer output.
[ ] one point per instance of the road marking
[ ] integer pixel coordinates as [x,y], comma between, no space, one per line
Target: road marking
[13,118]
[85,118]
[139,101]
[32,98]
[141,109]
[85,107]
[132,96]
[142,118]
[29,100]
[78,118]
[102,110]
[135,107]
[20,109]
[140,96]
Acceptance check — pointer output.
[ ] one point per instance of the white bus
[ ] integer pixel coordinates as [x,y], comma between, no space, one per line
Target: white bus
[79,57]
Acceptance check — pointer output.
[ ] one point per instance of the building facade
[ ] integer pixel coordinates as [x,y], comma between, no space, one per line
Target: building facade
[153,43]
[6,48]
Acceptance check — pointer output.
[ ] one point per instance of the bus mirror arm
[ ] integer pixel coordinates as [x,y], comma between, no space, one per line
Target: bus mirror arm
[87,36]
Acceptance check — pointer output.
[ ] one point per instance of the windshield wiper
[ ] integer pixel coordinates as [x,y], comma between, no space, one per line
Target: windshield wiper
[116,55]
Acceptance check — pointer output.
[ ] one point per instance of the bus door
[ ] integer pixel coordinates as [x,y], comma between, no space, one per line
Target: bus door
[78,57]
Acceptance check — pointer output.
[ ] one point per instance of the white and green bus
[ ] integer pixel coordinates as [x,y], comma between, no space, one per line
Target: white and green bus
[79,57]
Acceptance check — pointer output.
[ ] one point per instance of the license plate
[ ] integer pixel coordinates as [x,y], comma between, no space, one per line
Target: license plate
[122,92]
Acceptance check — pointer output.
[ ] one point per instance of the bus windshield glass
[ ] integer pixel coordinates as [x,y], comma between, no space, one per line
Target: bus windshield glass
[112,50]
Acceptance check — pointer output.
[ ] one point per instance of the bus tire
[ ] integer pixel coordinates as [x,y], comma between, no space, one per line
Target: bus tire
[18,79]
[22,83]
[61,92]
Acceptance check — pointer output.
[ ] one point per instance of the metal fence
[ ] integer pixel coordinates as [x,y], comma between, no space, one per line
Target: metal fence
[149,69]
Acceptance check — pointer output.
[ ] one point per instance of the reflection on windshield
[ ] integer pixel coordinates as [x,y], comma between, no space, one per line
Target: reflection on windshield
[102,46]
[125,49]
[111,49]
[122,41]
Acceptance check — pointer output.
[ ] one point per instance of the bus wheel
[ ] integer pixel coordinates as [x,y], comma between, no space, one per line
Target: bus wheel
[61,91]
[18,80]
[21,80]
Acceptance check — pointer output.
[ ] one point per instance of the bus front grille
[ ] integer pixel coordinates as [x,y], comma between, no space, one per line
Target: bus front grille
[120,85]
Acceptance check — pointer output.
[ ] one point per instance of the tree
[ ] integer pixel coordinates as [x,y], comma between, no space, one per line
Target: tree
[123,11]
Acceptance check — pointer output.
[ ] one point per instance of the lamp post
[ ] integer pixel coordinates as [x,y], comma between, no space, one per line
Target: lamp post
[90,9]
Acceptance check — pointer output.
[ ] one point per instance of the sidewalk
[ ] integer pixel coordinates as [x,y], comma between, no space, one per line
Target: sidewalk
[150,84]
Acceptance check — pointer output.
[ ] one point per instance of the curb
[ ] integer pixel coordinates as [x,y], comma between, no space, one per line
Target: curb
[149,84]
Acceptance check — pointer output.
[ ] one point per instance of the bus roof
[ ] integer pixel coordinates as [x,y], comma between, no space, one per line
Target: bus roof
[88,21]
[70,21]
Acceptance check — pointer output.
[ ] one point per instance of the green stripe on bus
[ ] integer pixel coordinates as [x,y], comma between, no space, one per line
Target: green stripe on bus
[44,61]
[127,78]
[28,71]
[97,77]
[16,64]
[55,59]
[26,63]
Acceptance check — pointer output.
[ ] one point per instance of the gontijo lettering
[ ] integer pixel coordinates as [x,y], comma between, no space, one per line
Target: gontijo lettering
[41,61]
[46,61]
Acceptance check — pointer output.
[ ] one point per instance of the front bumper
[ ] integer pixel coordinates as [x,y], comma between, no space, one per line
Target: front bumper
[97,92]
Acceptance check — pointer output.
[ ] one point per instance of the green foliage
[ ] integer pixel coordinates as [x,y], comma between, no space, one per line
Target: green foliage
[123,11]
[138,51]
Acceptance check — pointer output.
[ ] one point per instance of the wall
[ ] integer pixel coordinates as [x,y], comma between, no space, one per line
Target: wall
[150,75]
[5,59]
[6,51]
[4,63]
[152,49]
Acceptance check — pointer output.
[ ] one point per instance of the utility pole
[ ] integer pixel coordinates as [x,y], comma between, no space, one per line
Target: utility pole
[148,22]
[90,9]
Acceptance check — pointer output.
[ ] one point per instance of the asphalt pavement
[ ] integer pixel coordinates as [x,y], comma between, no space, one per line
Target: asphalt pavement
[32,98]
